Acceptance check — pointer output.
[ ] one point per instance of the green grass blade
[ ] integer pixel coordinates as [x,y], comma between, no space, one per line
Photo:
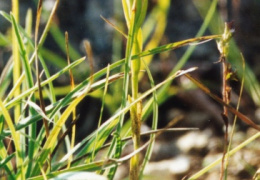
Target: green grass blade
[25,59]
[52,138]
[117,146]
[53,135]
[154,122]
[52,110]
[95,166]
[216,25]
[207,20]
[30,84]
[21,30]
[8,173]
[100,114]
[16,139]
[28,30]
[155,26]
[6,160]
[16,59]
[107,127]
[50,143]
[47,81]
[50,84]
[163,92]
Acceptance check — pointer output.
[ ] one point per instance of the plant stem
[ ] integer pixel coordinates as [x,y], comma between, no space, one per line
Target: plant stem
[136,110]
[16,59]
[226,89]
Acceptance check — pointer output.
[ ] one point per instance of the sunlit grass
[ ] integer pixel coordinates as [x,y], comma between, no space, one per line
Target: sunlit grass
[51,150]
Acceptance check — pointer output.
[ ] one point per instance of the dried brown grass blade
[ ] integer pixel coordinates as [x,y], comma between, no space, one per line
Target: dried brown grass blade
[114,26]
[42,105]
[90,59]
[219,100]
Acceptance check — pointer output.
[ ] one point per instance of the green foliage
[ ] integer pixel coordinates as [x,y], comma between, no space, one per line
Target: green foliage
[37,156]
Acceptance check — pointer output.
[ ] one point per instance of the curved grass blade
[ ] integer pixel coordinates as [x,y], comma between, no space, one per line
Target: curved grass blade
[6,160]
[30,84]
[54,133]
[163,92]
[107,127]
[25,59]
[157,50]
[114,26]
[101,115]
[100,73]
[42,39]
[95,166]
[12,102]
[52,109]
[154,122]
[155,26]
[5,163]
[51,141]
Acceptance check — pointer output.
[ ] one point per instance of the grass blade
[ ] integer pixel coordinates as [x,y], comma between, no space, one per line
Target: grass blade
[16,57]
[219,100]
[16,140]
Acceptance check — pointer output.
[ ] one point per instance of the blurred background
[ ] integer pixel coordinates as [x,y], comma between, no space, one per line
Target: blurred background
[81,19]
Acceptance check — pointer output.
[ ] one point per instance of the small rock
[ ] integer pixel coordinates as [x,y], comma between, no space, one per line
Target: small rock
[191,141]
[79,176]
[168,168]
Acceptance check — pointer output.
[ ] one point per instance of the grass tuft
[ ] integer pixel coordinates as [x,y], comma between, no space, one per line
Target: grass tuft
[30,98]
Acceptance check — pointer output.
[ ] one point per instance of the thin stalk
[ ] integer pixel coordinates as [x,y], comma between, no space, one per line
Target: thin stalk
[154,28]
[132,12]
[101,114]
[16,75]
[29,78]
[235,118]
[135,110]
[154,122]
[16,59]
[42,105]
[135,12]
[226,88]
[73,129]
